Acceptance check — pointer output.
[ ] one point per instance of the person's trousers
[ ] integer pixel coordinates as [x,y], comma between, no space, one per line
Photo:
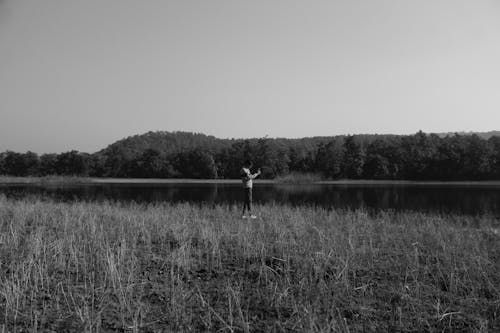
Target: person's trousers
[247,204]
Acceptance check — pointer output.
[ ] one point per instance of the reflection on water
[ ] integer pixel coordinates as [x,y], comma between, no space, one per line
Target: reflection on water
[427,198]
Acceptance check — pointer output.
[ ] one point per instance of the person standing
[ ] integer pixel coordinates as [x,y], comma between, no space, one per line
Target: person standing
[247,178]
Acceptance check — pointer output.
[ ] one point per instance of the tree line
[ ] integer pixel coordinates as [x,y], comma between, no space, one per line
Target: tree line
[186,155]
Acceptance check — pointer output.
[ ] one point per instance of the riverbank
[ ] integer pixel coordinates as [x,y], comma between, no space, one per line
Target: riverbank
[282,181]
[95,180]
[119,267]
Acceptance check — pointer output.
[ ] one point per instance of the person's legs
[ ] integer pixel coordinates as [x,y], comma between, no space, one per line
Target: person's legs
[247,206]
[249,200]
[246,202]
[250,203]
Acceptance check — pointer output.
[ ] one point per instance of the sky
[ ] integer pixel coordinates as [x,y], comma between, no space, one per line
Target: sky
[82,74]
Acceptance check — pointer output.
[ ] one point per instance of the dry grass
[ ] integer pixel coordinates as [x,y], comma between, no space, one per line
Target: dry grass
[45,180]
[298,178]
[91,267]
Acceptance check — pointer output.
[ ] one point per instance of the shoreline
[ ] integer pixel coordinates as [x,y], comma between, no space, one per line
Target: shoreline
[8,180]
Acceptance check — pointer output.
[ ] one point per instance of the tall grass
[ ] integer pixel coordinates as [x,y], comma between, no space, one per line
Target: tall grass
[104,267]
[298,178]
[45,180]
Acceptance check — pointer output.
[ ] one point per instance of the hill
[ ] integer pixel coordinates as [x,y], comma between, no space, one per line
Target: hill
[421,156]
[483,135]
[175,142]
[165,142]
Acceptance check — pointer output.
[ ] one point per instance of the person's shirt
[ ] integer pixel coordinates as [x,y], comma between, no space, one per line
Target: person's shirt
[247,177]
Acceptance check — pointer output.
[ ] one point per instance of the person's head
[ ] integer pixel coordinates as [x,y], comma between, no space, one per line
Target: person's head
[248,164]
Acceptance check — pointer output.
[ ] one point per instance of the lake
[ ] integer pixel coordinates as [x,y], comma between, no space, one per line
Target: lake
[460,198]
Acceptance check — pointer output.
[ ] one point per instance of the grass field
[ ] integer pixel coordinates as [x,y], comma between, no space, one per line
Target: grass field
[110,267]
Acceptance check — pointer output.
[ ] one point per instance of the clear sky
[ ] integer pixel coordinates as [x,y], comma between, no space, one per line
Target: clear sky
[81,74]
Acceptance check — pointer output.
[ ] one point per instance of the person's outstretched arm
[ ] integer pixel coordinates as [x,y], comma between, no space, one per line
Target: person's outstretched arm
[255,175]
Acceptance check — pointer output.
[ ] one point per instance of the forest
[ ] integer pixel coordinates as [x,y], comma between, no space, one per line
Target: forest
[191,155]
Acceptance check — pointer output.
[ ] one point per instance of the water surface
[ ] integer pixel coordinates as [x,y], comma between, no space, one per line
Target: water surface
[466,198]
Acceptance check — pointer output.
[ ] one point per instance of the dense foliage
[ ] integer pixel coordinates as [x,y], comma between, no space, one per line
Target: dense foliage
[188,155]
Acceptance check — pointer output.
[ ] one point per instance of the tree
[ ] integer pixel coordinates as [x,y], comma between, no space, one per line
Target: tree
[329,158]
[163,154]
[354,158]
[494,143]
[116,162]
[31,163]
[72,163]
[477,158]
[151,164]
[419,151]
[448,164]
[383,159]
[232,158]
[302,161]
[97,165]
[48,164]
[270,157]
[17,164]
[196,164]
